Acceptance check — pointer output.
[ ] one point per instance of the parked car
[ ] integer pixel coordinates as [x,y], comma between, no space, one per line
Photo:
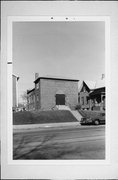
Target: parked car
[93,120]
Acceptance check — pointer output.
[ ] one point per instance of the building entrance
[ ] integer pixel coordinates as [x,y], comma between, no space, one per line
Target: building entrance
[60,99]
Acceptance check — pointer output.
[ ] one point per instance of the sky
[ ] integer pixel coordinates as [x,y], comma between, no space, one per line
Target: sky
[66,49]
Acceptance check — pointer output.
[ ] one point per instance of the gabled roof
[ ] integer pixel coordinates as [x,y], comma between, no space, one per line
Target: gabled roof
[90,84]
[29,91]
[80,84]
[13,75]
[100,84]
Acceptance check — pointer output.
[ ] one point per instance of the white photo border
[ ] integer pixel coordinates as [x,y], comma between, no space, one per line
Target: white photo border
[10,20]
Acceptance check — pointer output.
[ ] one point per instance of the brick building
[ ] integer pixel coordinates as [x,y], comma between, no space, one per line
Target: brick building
[31,99]
[50,92]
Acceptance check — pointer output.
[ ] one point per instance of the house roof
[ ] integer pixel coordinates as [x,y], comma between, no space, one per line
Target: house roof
[16,76]
[29,91]
[98,91]
[80,83]
[100,84]
[55,78]
[90,84]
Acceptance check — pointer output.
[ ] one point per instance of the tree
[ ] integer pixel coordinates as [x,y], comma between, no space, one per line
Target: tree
[24,98]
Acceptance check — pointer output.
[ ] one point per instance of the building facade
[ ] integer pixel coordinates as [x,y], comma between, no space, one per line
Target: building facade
[31,99]
[97,98]
[50,92]
[83,94]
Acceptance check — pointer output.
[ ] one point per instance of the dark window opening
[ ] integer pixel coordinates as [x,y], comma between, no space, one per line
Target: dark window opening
[82,100]
[60,99]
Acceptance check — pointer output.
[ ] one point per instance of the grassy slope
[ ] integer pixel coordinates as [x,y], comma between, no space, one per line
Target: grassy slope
[92,114]
[58,116]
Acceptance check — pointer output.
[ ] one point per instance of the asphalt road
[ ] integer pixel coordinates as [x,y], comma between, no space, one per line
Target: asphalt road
[84,142]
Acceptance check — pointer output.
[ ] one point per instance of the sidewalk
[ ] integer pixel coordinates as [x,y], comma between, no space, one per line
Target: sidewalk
[33,127]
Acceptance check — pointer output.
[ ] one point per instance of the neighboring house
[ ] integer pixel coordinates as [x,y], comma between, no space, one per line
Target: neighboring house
[31,99]
[50,92]
[15,92]
[97,97]
[85,87]
[91,95]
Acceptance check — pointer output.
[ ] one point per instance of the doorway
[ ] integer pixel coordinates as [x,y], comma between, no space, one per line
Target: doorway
[60,99]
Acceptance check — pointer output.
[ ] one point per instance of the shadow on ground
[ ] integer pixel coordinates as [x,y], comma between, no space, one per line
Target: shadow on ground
[46,149]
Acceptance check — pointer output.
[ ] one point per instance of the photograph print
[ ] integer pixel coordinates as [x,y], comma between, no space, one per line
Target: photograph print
[58,90]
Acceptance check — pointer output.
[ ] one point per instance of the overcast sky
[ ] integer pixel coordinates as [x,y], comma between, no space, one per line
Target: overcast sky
[68,49]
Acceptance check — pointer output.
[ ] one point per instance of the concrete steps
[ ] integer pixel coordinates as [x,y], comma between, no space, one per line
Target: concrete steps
[76,114]
[63,107]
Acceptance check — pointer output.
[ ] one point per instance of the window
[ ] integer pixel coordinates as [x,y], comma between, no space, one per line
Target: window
[37,97]
[87,99]
[37,86]
[84,89]
[34,98]
[29,99]
[82,99]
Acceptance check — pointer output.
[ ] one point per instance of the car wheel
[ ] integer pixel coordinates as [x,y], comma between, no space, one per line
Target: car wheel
[96,122]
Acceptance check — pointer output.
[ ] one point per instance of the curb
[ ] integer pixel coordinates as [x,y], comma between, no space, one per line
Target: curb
[49,128]
[31,126]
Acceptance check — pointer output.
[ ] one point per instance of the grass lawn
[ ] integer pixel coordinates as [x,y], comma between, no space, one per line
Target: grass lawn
[57,116]
[92,114]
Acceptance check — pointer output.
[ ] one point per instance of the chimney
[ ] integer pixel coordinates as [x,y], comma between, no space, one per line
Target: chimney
[103,76]
[36,75]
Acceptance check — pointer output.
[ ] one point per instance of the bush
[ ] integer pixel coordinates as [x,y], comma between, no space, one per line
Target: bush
[78,107]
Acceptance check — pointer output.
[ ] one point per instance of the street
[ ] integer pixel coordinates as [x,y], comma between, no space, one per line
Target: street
[83,142]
